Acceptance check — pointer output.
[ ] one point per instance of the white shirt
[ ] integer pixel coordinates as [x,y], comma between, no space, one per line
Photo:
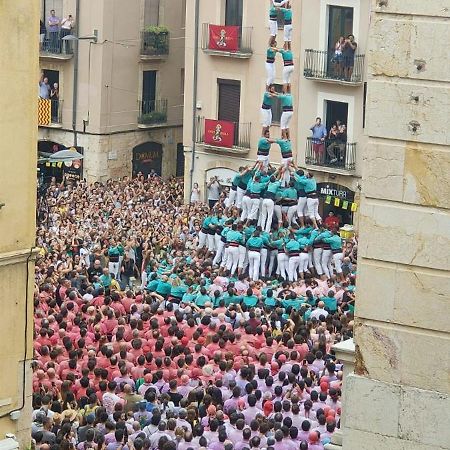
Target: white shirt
[318,312]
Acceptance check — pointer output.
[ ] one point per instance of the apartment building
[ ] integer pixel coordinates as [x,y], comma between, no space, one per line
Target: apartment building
[120,86]
[18,128]
[229,86]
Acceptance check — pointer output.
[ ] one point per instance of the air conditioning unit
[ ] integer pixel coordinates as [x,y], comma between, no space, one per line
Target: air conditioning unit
[8,444]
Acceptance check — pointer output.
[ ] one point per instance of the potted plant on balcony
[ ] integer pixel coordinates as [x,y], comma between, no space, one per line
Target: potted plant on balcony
[156,40]
[153,117]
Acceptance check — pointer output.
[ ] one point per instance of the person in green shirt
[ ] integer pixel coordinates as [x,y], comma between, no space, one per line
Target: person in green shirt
[255,190]
[249,299]
[269,300]
[268,203]
[254,245]
[287,105]
[230,200]
[287,30]
[234,239]
[288,66]
[335,242]
[202,298]
[266,108]
[330,302]
[230,297]
[293,249]
[286,157]
[245,177]
[114,254]
[106,279]
[164,287]
[270,63]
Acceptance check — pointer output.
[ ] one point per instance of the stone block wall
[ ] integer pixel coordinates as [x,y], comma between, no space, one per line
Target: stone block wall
[398,398]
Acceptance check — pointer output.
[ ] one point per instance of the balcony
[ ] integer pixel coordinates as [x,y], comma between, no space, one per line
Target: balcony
[54,48]
[323,66]
[236,141]
[334,156]
[152,113]
[154,43]
[50,113]
[231,42]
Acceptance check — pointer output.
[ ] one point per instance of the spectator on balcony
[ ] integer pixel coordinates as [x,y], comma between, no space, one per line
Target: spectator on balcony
[337,57]
[67,27]
[44,87]
[332,143]
[54,97]
[319,133]
[42,31]
[53,24]
[348,53]
[195,194]
[214,188]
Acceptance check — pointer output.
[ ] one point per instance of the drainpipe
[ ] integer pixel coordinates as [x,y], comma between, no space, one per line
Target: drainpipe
[194,95]
[75,76]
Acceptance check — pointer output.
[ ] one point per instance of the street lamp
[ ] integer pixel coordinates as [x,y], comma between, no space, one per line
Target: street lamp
[71,38]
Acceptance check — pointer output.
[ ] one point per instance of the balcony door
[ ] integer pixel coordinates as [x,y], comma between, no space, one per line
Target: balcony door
[233,12]
[148,91]
[336,111]
[230,103]
[340,23]
[151,13]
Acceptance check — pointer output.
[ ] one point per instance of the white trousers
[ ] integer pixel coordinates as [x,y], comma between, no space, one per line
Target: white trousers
[239,196]
[291,213]
[243,257]
[317,260]
[313,208]
[211,242]
[254,208]
[263,262]
[337,258]
[266,117]
[304,262]
[288,33]
[273,26]
[301,207]
[294,263]
[202,239]
[285,119]
[264,159]
[283,262]
[114,267]
[287,73]
[232,259]
[270,71]
[225,257]
[231,198]
[220,246]
[286,174]
[268,206]
[279,210]
[327,257]
[246,207]
[254,260]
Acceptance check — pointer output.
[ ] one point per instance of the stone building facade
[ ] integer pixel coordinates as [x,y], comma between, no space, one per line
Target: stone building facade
[129,86]
[398,398]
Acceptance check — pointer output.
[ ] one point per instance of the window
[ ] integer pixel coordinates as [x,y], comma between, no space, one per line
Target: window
[276,107]
[336,111]
[340,23]
[230,103]
[151,13]
[148,91]
[180,161]
[52,75]
[182,81]
[233,12]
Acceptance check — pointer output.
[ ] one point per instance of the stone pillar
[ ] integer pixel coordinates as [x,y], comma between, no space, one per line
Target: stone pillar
[398,398]
[345,352]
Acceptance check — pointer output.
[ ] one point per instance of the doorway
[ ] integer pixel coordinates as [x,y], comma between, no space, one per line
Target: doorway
[147,159]
[336,111]
[340,23]
[230,103]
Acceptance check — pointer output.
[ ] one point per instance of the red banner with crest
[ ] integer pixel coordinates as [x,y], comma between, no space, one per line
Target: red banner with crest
[225,38]
[219,133]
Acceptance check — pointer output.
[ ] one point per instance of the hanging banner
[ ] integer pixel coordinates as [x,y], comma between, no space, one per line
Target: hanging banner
[44,111]
[337,201]
[73,170]
[328,199]
[224,38]
[354,207]
[345,204]
[219,133]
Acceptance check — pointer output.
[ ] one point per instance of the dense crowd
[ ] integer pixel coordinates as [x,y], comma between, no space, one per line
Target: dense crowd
[169,326]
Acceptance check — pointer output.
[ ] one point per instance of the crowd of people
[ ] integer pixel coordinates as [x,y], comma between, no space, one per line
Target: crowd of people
[161,325]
